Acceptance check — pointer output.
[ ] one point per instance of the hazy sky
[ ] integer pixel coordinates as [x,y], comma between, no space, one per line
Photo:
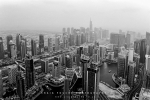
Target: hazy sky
[53,15]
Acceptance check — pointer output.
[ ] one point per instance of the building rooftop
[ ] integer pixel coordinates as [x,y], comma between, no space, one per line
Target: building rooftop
[111,93]
[144,94]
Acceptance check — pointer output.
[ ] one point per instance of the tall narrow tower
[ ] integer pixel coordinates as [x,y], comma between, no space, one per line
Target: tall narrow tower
[30,77]
[33,47]
[1,48]
[91,26]
[69,72]
[93,78]
[20,80]
[18,45]
[1,84]
[84,64]
[41,43]
[9,37]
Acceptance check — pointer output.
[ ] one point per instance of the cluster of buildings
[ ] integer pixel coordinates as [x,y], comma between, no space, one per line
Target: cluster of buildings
[132,61]
[78,69]
[124,39]
[24,72]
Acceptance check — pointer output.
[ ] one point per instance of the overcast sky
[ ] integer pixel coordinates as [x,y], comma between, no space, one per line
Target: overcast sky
[53,15]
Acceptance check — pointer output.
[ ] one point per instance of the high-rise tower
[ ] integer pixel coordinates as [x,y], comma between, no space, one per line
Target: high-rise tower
[91,26]
[1,49]
[9,37]
[84,64]
[12,49]
[130,56]
[69,72]
[21,89]
[44,65]
[131,74]
[68,61]
[147,80]
[121,66]
[33,47]
[142,51]
[93,78]
[50,45]
[148,41]
[1,84]
[12,71]
[18,45]
[23,49]
[57,69]
[41,43]
[30,77]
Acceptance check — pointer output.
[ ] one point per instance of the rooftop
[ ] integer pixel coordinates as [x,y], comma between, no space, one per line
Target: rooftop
[144,94]
[111,93]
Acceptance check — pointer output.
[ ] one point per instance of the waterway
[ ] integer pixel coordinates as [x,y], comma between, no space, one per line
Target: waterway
[105,76]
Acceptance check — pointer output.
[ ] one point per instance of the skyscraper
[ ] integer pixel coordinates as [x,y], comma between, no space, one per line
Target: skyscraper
[57,43]
[57,69]
[50,45]
[91,26]
[114,38]
[25,41]
[12,71]
[147,80]
[80,50]
[142,51]
[9,37]
[68,61]
[72,30]
[137,46]
[65,40]
[1,49]
[82,29]
[115,52]
[147,63]
[148,41]
[121,68]
[30,77]
[12,46]
[90,50]
[131,74]
[121,39]
[51,69]
[68,30]
[1,84]
[130,55]
[41,43]
[105,34]
[93,79]
[44,65]
[85,50]
[136,59]
[23,49]
[64,30]
[84,64]
[18,45]
[69,72]
[33,47]
[128,40]
[21,89]
[76,81]
[102,52]
[96,54]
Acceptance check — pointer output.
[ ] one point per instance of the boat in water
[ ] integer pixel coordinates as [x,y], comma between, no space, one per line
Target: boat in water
[109,71]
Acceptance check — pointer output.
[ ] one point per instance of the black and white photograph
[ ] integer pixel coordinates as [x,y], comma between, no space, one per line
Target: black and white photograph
[74,49]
